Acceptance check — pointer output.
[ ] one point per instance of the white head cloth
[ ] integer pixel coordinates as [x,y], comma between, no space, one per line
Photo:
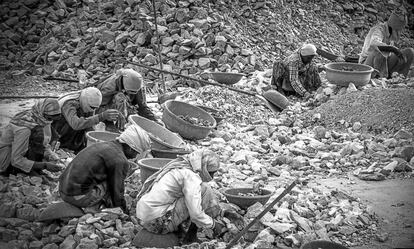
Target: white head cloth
[136,137]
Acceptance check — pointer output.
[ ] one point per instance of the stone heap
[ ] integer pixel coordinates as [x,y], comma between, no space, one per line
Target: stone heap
[62,37]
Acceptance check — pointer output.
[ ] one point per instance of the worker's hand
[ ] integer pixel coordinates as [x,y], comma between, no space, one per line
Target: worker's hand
[52,167]
[110,115]
[235,218]
[120,122]
[52,156]
[219,228]
[307,96]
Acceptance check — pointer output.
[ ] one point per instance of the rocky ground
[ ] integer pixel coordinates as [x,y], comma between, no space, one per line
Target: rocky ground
[351,147]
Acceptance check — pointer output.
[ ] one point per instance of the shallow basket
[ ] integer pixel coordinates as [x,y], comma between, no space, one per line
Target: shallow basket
[161,137]
[93,137]
[277,99]
[227,78]
[336,73]
[173,108]
[149,166]
[246,201]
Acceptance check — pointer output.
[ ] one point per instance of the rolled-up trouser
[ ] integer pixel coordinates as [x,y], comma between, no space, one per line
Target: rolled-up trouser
[98,194]
[171,220]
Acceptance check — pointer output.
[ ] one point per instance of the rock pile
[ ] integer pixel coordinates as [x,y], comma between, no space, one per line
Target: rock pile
[62,37]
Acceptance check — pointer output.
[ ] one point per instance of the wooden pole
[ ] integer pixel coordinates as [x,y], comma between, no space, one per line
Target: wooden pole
[267,209]
[190,78]
[27,97]
[158,48]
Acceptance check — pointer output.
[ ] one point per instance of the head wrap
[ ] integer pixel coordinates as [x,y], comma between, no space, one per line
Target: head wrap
[397,21]
[90,97]
[136,137]
[308,49]
[132,79]
[200,161]
[35,116]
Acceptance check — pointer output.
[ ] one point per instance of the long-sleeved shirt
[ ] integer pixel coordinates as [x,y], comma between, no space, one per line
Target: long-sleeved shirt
[98,163]
[294,65]
[14,144]
[377,36]
[177,183]
[113,85]
[77,119]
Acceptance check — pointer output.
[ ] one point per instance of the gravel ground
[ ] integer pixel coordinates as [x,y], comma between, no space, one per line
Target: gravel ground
[378,110]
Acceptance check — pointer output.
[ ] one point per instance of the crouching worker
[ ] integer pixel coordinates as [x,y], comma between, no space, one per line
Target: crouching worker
[379,51]
[95,177]
[78,109]
[296,74]
[125,92]
[24,142]
[178,193]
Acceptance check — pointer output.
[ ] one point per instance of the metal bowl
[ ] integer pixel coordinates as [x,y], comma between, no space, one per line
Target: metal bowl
[172,153]
[161,137]
[343,73]
[173,109]
[232,195]
[227,78]
[149,166]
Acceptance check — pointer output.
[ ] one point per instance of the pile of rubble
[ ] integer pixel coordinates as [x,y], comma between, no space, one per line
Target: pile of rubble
[62,37]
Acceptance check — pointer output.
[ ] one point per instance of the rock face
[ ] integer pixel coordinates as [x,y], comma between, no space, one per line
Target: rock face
[61,37]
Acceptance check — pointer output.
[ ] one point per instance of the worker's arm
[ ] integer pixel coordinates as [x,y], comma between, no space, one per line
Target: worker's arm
[192,195]
[377,39]
[19,148]
[294,79]
[143,108]
[69,111]
[117,172]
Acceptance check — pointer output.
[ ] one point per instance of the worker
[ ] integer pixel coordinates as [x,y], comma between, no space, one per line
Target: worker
[95,177]
[379,49]
[125,92]
[24,142]
[297,74]
[78,109]
[178,193]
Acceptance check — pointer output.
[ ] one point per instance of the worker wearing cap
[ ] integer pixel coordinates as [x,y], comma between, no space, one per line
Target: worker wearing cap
[124,91]
[379,51]
[78,109]
[296,74]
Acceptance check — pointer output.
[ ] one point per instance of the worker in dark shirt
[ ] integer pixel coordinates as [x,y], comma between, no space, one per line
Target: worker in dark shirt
[95,177]
[125,92]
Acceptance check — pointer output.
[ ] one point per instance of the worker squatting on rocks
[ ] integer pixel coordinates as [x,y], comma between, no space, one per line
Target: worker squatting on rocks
[178,193]
[296,74]
[78,109]
[24,142]
[379,49]
[125,92]
[95,177]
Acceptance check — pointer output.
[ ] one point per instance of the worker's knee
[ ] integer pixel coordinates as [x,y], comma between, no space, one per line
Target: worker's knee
[408,54]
